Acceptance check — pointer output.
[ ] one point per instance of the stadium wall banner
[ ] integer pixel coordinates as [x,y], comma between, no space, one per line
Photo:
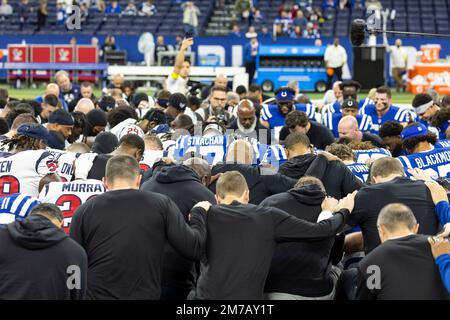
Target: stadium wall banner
[220,51]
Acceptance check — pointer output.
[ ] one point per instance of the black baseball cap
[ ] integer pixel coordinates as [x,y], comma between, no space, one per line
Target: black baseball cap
[350,104]
[178,101]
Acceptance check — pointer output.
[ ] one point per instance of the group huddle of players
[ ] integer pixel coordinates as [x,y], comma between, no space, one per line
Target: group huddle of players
[416,135]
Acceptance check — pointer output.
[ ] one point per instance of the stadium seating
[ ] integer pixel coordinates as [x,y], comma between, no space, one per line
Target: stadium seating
[412,15]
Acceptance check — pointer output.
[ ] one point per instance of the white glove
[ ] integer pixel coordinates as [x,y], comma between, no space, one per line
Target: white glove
[83,164]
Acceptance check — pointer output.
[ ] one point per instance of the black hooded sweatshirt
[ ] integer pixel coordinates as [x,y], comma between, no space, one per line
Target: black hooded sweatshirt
[260,185]
[337,178]
[300,268]
[34,259]
[182,185]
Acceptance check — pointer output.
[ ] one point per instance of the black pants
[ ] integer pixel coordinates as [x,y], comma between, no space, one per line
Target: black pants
[347,285]
[338,73]
[250,68]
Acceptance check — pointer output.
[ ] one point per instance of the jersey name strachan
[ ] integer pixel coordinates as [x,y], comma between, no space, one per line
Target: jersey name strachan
[433,159]
[205,141]
[83,187]
[5,166]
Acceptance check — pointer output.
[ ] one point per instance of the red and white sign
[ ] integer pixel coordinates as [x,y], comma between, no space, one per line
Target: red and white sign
[17,53]
[64,54]
[87,54]
[41,54]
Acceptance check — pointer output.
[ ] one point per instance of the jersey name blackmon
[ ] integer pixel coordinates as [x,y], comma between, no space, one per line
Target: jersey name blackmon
[433,159]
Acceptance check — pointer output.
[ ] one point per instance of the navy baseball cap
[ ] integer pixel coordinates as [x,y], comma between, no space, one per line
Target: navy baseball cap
[285,94]
[138,97]
[34,130]
[415,130]
[61,117]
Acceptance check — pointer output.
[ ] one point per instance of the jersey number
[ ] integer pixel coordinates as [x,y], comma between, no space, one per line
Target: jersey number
[9,185]
[68,203]
[213,154]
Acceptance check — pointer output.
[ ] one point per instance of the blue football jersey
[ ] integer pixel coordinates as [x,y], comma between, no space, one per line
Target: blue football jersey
[436,162]
[275,155]
[442,144]
[393,114]
[212,148]
[16,207]
[331,121]
[360,170]
[363,155]
[363,103]
[273,116]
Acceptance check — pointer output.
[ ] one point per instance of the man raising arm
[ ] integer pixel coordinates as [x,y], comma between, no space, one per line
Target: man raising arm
[177,81]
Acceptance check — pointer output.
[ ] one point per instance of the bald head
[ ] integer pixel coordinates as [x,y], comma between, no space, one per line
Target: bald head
[240,151]
[221,81]
[246,114]
[201,167]
[52,88]
[84,105]
[348,127]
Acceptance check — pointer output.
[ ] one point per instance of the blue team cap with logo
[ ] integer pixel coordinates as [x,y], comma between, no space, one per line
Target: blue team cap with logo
[350,104]
[34,130]
[415,130]
[285,94]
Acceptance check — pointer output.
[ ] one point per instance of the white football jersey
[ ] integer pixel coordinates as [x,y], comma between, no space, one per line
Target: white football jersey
[66,162]
[150,157]
[22,172]
[127,126]
[70,195]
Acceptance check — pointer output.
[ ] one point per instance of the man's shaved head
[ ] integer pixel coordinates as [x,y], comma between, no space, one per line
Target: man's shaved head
[52,88]
[348,127]
[246,113]
[84,105]
[221,81]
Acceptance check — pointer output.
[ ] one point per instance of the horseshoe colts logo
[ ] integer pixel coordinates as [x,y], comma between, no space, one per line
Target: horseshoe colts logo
[284,94]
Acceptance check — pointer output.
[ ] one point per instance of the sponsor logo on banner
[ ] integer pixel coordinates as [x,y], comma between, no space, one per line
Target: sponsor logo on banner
[17,55]
[63,55]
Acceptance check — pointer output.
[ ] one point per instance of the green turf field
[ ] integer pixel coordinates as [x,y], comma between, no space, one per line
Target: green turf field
[26,93]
